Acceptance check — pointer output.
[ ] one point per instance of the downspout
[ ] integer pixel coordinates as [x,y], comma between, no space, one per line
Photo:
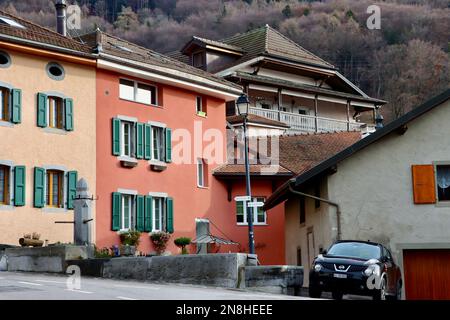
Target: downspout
[331,203]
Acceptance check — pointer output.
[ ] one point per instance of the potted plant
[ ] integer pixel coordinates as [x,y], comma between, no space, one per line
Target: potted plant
[182,242]
[129,241]
[159,240]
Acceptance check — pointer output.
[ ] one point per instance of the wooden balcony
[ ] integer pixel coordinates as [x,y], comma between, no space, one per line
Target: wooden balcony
[304,123]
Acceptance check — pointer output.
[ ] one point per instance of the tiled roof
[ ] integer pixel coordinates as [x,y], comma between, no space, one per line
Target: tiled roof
[40,37]
[253,118]
[113,46]
[217,44]
[268,41]
[297,153]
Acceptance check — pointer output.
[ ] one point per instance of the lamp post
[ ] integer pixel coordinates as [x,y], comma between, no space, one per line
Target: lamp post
[242,106]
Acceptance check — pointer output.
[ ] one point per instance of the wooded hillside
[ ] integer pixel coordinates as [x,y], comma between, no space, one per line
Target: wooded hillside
[405,62]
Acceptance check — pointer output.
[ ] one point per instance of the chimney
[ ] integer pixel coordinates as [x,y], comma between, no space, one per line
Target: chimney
[61,17]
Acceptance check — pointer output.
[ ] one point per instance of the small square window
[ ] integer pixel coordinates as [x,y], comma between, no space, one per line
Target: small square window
[198,60]
[258,214]
[443,182]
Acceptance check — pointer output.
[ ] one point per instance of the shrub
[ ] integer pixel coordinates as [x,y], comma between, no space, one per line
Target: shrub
[102,253]
[131,237]
[159,240]
[182,242]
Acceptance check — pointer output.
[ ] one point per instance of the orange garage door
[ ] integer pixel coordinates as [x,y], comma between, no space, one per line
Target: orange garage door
[427,274]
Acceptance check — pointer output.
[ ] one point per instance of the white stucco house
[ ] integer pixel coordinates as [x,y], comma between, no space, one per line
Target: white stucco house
[391,187]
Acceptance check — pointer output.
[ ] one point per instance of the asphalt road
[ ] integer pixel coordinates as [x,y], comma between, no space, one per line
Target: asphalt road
[32,286]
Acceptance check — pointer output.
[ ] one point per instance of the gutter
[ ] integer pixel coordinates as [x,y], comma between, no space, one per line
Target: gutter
[331,203]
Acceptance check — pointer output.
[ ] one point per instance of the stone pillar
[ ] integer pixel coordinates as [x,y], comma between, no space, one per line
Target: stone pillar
[202,229]
[82,214]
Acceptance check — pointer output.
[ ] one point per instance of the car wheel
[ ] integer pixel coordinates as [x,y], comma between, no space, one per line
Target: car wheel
[337,295]
[314,292]
[380,294]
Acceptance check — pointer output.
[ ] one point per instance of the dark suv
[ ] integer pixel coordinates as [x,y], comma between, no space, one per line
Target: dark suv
[356,267]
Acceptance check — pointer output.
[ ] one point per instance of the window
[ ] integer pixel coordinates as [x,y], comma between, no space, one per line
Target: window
[197,59]
[4,104]
[202,173]
[443,182]
[4,184]
[5,60]
[54,188]
[10,22]
[55,112]
[127,139]
[200,106]
[303,112]
[55,71]
[259,215]
[127,211]
[302,212]
[266,106]
[138,92]
[158,143]
[159,214]
[299,256]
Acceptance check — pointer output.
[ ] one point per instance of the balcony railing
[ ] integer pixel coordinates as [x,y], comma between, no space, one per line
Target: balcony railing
[305,123]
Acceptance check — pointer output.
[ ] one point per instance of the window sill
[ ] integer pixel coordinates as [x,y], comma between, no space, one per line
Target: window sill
[54,210]
[157,165]
[254,224]
[202,115]
[6,124]
[442,204]
[142,103]
[54,131]
[6,207]
[128,162]
[202,187]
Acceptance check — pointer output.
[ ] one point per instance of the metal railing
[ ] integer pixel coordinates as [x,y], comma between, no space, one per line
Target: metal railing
[306,123]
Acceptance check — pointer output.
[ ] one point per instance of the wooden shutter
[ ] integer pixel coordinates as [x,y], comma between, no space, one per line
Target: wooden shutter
[116,211]
[72,179]
[39,187]
[139,140]
[116,136]
[424,187]
[147,141]
[148,214]
[19,186]
[168,145]
[16,105]
[140,212]
[169,212]
[42,110]
[68,113]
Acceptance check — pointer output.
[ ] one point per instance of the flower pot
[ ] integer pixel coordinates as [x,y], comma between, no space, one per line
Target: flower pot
[127,250]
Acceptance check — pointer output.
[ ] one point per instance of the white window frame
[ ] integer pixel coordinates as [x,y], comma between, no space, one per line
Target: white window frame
[162,143]
[131,138]
[135,90]
[161,215]
[131,212]
[255,214]
[439,203]
[201,166]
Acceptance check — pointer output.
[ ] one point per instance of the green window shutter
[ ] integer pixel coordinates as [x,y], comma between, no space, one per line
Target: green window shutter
[168,145]
[139,140]
[16,106]
[68,113]
[39,187]
[147,141]
[116,211]
[72,179]
[19,186]
[42,110]
[116,136]
[140,212]
[169,208]
[148,214]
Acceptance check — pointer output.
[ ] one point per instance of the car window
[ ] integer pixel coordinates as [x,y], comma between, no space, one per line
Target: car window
[389,255]
[357,250]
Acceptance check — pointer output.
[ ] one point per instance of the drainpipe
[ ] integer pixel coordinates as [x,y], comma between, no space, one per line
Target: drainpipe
[331,203]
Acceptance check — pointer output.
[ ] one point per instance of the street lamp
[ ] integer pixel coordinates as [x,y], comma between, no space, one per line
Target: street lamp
[242,104]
